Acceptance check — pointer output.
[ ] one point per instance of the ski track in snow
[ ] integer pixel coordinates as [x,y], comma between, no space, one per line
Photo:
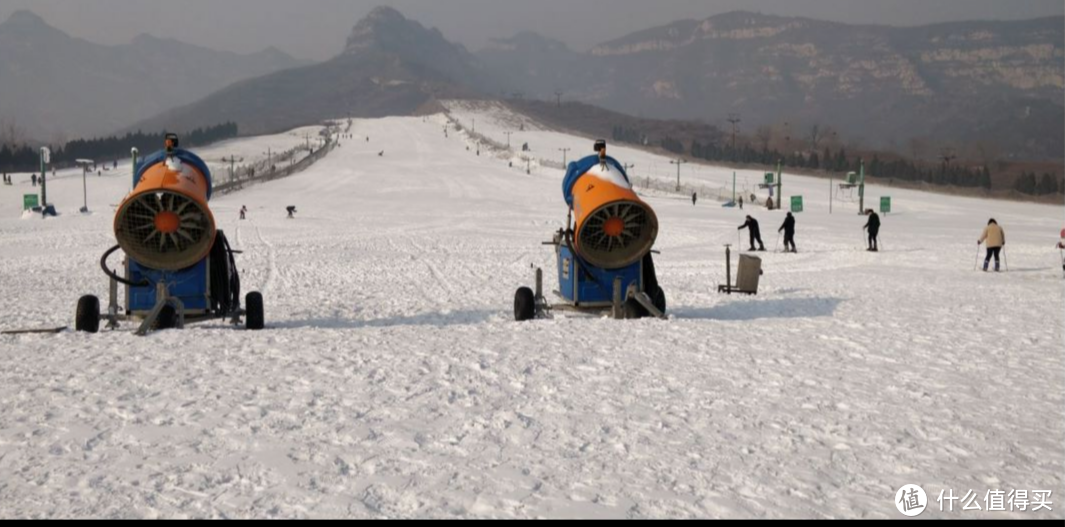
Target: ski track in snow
[392,382]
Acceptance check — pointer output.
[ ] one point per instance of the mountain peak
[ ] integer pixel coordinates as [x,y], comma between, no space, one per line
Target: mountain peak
[386,29]
[25,19]
[384,14]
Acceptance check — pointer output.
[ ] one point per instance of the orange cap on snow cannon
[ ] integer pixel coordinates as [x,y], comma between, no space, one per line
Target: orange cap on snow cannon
[165,222]
[614,227]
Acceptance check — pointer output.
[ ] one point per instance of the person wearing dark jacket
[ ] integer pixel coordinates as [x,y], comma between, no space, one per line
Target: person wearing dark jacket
[789,234]
[873,227]
[756,232]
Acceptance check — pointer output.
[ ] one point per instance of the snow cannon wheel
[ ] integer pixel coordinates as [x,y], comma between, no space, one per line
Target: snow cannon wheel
[87,318]
[254,312]
[524,305]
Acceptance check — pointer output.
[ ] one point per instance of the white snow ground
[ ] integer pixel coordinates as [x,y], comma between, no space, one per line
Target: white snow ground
[393,382]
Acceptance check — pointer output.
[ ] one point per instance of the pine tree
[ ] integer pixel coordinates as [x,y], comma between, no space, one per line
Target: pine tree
[813,162]
[985,178]
[1048,185]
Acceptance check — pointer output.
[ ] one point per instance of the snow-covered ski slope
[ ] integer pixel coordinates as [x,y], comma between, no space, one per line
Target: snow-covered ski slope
[392,381]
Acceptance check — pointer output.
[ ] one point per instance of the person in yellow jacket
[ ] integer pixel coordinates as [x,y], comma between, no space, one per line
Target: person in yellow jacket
[995,238]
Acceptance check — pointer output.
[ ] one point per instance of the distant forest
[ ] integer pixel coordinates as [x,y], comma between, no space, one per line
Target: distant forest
[839,161]
[24,158]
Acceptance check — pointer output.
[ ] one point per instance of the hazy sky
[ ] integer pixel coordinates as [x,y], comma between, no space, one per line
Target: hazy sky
[316,29]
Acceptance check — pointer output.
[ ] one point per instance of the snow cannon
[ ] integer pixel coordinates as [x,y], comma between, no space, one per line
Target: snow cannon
[165,222]
[614,228]
[179,267]
[604,255]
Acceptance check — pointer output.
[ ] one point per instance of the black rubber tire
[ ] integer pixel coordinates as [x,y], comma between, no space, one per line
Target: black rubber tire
[255,315]
[87,318]
[524,305]
[167,319]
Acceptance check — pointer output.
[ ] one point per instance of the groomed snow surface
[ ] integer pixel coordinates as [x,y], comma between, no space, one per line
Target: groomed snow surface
[393,382]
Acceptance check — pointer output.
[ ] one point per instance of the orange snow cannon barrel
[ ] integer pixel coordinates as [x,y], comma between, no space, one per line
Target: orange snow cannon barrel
[165,222]
[614,227]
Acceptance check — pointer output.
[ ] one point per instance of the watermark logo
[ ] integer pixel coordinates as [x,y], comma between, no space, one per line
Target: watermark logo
[911,500]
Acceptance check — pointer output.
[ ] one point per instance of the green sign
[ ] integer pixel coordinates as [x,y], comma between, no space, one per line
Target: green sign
[885,205]
[29,201]
[796,203]
[769,178]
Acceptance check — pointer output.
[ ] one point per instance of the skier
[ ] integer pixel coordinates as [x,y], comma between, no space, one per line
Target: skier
[873,226]
[695,197]
[291,211]
[1061,249]
[756,233]
[243,212]
[33,179]
[996,240]
[741,202]
[789,234]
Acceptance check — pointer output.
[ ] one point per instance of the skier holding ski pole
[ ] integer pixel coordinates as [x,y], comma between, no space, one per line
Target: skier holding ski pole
[755,232]
[873,228]
[996,241]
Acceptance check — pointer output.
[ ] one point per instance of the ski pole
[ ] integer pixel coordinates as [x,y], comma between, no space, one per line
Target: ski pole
[777,247]
[976,261]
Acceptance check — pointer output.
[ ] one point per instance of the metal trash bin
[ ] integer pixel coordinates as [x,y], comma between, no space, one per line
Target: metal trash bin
[749,274]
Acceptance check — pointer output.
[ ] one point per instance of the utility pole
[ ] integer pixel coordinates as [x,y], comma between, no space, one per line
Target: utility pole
[85,164]
[780,185]
[508,138]
[564,152]
[232,169]
[558,97]
[678,162]
[734,119]
[861,187]
[46,157]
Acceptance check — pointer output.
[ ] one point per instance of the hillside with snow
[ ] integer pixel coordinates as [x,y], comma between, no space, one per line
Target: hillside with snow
[392,381]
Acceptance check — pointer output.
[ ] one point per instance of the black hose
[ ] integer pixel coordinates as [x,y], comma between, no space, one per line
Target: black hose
[225,279]
[114,276]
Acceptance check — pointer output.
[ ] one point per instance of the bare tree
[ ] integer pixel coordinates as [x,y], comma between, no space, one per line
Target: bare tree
[818,135]
[987,152]
[917,148]
[11,133]
[59,139]
[765,136]
[815,137]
